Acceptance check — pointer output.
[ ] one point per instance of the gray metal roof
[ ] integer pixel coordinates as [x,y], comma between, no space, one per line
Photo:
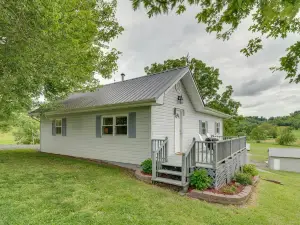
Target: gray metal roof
[129,91]
[285,152]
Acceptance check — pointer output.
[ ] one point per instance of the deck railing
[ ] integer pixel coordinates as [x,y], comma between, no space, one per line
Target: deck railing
[159,154]
[210,153]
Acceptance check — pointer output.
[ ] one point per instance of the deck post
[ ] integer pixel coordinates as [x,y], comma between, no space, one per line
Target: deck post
[167,145]
[216,155]
[153,161]
[183,170]
[230,147]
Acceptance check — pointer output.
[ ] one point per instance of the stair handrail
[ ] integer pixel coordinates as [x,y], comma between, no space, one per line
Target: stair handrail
[188,160]
[159,156]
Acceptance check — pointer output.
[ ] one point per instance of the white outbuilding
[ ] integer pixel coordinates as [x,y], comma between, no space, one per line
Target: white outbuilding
[287,159]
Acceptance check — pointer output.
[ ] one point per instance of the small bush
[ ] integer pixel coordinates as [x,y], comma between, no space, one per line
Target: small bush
[243,178]
[286,137]
[229,190]
[250,169]
[147,166]
[200,179]
[258,134]
[27,130]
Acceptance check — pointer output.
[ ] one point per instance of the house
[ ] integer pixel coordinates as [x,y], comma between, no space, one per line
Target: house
[159,116]
[287,159]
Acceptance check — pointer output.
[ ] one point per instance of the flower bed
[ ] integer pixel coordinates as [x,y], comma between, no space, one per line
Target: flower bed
[140,175]
[218,196]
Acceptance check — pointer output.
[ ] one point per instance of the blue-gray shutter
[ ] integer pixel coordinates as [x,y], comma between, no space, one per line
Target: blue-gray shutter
[64,127]
[53,128]
[132,125]
[200,127]
[206,127]
[98,126]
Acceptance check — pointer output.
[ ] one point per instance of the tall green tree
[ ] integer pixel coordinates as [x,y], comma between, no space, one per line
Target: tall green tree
[54,47]
[270,19]
[207,81]
[206,77]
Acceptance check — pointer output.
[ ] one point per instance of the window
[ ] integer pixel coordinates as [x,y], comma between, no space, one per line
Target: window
[58,126]
[204,128]
[218,127]
[121,125]
[114,125]
[108,125]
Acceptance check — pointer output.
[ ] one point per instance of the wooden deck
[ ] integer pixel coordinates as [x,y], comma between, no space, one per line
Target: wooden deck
[200,154]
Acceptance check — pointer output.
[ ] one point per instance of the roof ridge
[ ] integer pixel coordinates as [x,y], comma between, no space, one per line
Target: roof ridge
[152,74]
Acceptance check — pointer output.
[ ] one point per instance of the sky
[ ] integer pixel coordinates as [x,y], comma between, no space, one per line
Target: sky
[145,41]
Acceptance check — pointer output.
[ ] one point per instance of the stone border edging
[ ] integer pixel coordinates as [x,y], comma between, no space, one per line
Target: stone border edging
[143,177]
[237,199]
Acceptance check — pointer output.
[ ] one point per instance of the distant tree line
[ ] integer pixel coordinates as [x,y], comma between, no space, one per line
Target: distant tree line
[260,128]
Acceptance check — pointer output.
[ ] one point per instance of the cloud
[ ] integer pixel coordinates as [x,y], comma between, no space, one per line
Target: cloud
[256,87]
[146,41]
[253,105]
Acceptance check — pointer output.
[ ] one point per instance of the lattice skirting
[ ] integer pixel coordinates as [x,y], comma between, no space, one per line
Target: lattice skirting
[226,170]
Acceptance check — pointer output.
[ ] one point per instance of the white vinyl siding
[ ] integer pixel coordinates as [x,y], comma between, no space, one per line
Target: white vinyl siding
[162,118]
[81,140]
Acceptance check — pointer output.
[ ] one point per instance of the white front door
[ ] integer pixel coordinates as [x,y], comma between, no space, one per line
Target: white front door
[178,130]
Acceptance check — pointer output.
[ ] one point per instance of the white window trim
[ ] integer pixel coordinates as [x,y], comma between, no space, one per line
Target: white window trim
[114,125]
[58,126]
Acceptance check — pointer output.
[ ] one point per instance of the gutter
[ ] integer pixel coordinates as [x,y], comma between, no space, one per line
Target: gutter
[213,112]
[125,105]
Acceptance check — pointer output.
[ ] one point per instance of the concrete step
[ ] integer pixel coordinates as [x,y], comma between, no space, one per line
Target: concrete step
[169,181]
[171,172]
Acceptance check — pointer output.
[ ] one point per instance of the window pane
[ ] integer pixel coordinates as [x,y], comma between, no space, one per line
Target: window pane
[107,130]
[108,121]
[122,120]
[121,130]
[58,123]
[58,130]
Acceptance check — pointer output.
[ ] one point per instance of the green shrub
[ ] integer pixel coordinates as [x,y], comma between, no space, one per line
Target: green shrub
[250,169]
[200,179]
[147,166]
[258,134]
[229,189]
[27,130]
[286,137]
[243,178]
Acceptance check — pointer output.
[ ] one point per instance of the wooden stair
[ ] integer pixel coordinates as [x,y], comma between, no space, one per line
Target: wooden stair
[169,181]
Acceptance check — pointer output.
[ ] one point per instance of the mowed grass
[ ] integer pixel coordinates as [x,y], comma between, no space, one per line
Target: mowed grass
[7,138]
[40,188]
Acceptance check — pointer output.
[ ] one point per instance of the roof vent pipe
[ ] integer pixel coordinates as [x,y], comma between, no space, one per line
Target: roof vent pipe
[123,76]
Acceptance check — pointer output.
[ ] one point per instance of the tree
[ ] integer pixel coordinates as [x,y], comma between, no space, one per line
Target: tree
[270,130]
[224,102]
[258,134]
[270,19]
[286,137]
[27,129]
[206,77]
[51,48]
[207,81]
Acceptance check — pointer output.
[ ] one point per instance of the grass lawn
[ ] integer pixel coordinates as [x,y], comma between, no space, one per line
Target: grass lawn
[259,151]
[7,138]
[39,188]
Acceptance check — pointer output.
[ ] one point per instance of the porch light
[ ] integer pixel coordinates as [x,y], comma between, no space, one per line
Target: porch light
[179,99]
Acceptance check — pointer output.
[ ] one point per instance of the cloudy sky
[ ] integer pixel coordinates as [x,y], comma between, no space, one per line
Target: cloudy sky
[260,91]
